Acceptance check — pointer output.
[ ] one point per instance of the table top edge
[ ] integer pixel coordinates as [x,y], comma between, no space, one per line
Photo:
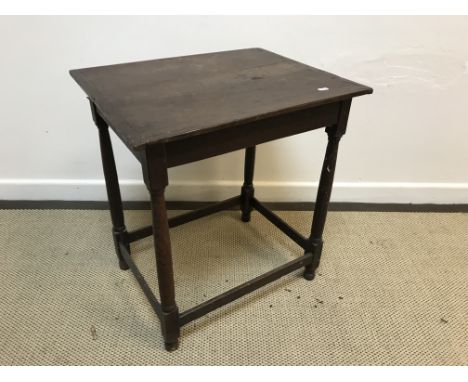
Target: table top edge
[212,129]
[136,145]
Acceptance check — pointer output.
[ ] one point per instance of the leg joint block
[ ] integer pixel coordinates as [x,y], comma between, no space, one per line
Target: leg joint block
[170,326]
[120,235]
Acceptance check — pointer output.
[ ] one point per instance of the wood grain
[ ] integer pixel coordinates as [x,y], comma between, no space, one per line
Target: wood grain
[164,100]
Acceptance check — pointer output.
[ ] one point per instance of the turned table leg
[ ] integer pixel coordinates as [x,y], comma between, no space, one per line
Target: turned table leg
[321,204]
[156,180]
[119,231]
[334,133]
[247,190]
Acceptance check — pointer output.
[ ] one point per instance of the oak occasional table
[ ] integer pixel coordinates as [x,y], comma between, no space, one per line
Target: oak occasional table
[173,111]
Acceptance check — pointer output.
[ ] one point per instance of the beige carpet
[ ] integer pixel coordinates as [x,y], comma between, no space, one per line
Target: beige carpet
[392,290]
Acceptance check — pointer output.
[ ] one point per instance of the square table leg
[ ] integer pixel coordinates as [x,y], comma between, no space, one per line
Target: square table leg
[119,231]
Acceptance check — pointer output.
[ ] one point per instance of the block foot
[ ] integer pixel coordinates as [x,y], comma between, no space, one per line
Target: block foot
[309,274]
[123,265]
[171,346]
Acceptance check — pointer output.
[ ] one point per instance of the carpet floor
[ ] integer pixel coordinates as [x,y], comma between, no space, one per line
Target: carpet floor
[392,289]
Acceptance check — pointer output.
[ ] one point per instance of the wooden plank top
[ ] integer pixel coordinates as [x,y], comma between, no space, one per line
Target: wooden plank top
[167,99]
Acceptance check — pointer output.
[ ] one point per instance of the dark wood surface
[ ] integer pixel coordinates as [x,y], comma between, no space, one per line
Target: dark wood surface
[167,99]
[174,111]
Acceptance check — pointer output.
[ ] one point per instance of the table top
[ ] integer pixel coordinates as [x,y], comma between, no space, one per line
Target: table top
[168,99]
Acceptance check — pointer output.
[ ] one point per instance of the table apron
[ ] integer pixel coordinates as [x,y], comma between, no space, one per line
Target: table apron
[237,137]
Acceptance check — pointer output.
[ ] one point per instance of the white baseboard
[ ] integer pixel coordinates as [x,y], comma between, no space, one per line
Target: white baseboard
[134,190]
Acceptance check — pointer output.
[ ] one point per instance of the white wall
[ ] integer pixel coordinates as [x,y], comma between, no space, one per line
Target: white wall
[405,143]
